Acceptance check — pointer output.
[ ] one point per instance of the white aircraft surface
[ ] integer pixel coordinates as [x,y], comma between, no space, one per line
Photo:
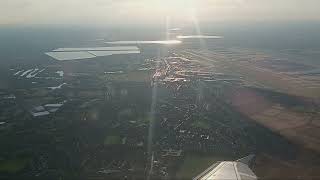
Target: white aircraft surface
[229,170]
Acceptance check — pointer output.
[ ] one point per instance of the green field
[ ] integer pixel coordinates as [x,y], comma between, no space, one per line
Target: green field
[194,164]
[133,76]
[113,140]
[201,124]
[14,165]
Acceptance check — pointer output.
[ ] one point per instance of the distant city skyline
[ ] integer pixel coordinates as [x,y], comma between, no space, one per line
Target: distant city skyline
[153,11]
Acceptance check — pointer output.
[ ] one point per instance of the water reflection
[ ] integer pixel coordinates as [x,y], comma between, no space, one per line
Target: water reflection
[199,37]
[165,42]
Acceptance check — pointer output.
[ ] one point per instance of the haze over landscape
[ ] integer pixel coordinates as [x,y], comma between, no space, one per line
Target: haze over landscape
[158,89]
[122,12]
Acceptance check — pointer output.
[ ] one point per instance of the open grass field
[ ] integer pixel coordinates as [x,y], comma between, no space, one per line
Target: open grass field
[298,125]
[112,140]
[133,76]
[14,165]
[264,77]
[194,164]
[268,167]
[289,122]
[201,124]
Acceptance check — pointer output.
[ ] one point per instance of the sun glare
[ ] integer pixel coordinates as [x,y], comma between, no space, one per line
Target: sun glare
[173,7]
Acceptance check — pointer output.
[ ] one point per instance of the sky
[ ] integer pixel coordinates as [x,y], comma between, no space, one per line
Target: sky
[153,11]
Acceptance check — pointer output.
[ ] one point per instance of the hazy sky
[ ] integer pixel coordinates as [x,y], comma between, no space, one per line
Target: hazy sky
[152,11]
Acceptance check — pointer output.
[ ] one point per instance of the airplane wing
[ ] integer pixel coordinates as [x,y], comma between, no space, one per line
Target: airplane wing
[229,170]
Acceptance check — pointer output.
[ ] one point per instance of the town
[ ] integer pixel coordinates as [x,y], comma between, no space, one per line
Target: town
[134,117]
